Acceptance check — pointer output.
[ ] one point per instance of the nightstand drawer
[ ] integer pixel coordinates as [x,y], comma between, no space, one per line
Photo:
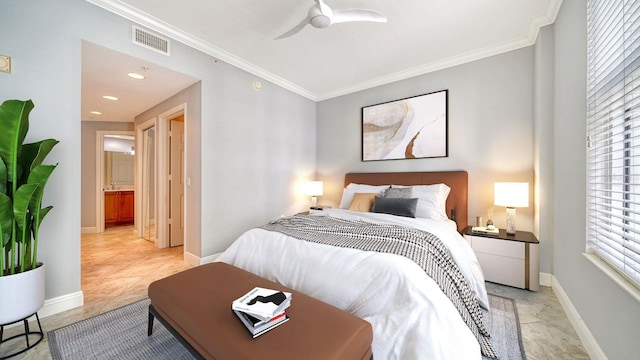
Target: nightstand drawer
[507,259]
[512,249]
[503,270]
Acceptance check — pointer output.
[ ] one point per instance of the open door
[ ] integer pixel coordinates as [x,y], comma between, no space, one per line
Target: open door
[176,181]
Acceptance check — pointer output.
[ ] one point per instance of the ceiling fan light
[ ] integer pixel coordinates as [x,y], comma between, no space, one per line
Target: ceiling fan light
[320,21]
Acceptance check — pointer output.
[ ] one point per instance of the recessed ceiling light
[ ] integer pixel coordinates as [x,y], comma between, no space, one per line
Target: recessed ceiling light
[136,76]
[109,97]
[96,112]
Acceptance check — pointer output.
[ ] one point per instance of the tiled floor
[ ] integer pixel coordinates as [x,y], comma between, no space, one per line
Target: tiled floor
[547,334]
[117,268]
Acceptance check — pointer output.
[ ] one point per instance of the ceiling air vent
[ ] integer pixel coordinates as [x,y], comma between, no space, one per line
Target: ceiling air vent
[151,41]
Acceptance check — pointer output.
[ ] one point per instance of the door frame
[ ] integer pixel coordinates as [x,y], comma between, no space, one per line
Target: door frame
[140,128]
[100,134]
[162,128]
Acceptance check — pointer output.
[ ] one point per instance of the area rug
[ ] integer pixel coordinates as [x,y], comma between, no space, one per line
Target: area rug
[504,326]
[122,334]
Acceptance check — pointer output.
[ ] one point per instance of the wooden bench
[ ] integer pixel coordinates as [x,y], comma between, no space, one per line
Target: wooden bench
[195,305]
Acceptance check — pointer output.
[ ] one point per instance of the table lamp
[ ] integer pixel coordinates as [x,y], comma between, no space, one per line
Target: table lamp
[313,189]
[511,195]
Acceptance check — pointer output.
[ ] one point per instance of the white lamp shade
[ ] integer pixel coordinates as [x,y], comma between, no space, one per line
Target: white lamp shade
[313,188]
[511,194]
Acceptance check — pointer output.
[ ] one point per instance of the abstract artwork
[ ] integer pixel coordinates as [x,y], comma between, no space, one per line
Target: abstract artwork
[411,128]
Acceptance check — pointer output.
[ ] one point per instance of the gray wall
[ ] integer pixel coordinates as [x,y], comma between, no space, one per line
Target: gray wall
[88,166]
[610,313]
[490,130]
[256,146]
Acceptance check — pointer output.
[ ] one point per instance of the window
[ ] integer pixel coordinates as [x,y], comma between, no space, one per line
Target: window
[613,129]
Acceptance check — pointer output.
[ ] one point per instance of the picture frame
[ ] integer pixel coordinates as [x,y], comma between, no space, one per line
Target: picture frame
[410,128]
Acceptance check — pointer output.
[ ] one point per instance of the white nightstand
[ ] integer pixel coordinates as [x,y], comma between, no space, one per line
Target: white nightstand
[512,260]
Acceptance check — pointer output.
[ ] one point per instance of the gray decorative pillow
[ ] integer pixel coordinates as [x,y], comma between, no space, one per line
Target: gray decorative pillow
[403,193]
[395,206]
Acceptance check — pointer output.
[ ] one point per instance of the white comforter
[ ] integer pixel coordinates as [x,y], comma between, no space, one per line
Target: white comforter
[410,315]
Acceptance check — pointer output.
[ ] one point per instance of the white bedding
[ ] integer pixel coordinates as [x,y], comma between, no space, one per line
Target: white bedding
[410,315]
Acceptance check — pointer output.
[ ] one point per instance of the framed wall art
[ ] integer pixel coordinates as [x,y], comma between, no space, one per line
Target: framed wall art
[411,128]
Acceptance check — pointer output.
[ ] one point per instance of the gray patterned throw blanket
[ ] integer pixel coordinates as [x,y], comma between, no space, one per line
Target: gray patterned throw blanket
[422,247]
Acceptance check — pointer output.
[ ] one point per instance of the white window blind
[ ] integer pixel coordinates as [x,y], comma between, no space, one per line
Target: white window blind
[613,129]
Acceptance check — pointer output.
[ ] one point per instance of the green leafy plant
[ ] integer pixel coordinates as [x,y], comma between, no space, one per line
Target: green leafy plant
[22,181]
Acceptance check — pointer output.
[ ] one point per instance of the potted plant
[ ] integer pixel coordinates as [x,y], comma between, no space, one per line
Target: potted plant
[22,181]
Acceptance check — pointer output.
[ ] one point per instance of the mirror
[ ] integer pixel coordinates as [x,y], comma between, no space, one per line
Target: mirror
[118,162]
[148,178]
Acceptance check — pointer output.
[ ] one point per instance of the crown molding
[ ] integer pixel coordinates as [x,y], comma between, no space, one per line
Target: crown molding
[128,12]
[131,13]
[551,12]
[428,68]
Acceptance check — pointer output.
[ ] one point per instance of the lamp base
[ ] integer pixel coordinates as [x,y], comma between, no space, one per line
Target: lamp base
[314,200]
[511,220]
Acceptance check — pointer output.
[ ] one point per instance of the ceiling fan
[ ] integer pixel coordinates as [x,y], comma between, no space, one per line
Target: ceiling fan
[321,15]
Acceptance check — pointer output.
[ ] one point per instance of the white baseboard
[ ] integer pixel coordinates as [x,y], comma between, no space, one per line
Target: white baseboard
[210,258]
[546,279]
[588,341]
[191,259]
[61,303]
[88,230]
[196,260]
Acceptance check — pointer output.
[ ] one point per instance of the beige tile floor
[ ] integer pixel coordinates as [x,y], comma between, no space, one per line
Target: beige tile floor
[117,268]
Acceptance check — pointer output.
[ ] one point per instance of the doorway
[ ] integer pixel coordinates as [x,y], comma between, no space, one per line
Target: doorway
[114,173]
[176,181]
[161,211]
[148,195]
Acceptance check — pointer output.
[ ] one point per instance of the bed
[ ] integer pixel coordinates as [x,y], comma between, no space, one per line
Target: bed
[325,255]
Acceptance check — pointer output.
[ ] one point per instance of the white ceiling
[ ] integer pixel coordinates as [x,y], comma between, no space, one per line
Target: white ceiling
[420,36]
[104,72]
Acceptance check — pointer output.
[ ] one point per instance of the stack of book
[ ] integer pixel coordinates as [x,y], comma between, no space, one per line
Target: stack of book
[485,230]
[261,310]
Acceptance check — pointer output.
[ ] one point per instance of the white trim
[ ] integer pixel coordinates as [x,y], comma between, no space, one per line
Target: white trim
[191,259]
[196,260]
[553,7]
[428,68]
[617,278]
[210,258]
[140,128]
[588,341]
[546,279]
[131,13]
[88,230]
[162,162]
[61,303]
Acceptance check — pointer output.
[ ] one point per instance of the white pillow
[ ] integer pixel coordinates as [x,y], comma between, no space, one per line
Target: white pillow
[432,201]
[347,194]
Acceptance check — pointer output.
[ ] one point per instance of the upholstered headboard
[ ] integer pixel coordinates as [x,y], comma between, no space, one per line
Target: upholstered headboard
[458,181]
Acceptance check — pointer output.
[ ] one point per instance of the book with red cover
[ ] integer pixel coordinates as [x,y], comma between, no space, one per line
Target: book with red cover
[258,327]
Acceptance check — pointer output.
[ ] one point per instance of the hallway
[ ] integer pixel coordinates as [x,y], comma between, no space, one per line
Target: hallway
[117,267]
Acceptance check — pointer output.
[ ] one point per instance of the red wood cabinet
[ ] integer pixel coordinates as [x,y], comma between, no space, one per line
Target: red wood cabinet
[118,208]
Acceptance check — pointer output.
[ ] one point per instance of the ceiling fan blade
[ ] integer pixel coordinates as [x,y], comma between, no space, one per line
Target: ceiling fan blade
[295,29]
[324,8]
[341,16]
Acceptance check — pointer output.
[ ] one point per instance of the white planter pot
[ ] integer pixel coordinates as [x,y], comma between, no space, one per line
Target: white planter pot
[22,294]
